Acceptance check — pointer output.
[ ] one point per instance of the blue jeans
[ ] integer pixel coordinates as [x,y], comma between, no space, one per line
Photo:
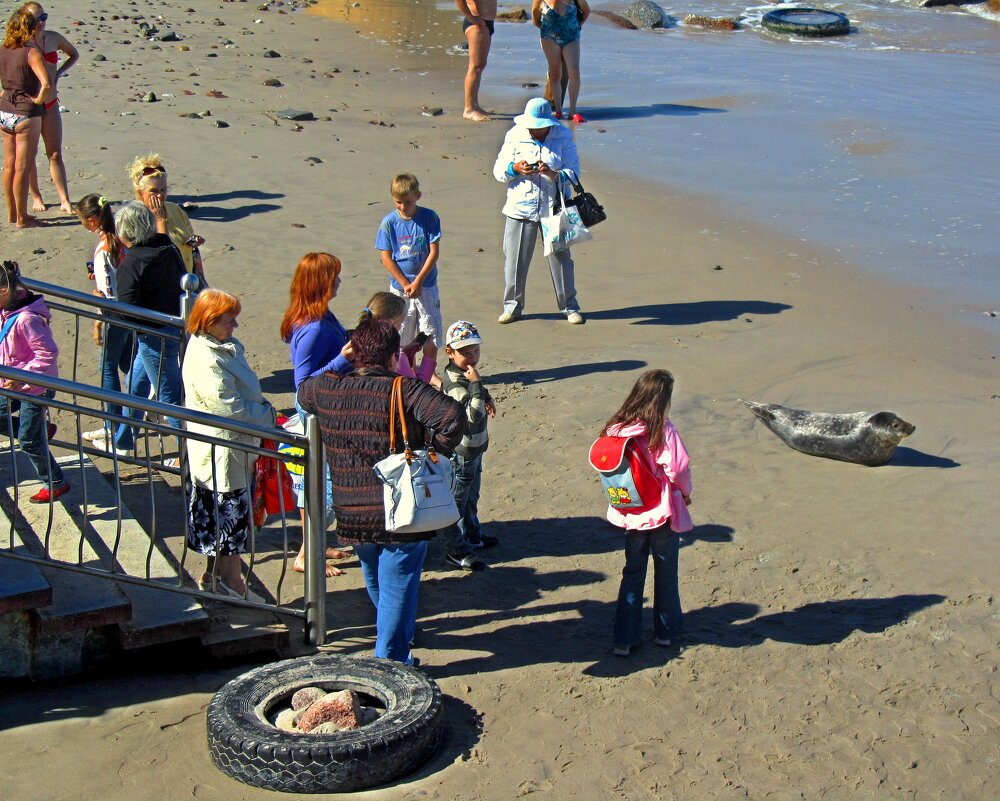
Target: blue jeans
[392,577]
[116,355]
[468,481]
[664,546]
[33,435]
[156,366]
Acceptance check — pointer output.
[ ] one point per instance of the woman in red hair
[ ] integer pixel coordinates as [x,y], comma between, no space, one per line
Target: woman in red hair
[218,380]
[315,338]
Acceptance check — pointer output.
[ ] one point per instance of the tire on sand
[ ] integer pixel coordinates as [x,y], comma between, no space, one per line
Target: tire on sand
[244,745]
[806,22]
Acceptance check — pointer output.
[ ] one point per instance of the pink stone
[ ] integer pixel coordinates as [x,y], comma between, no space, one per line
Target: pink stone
[306,696]
[341,708]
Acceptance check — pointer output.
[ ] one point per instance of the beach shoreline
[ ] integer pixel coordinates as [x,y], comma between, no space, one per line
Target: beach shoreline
[840,620]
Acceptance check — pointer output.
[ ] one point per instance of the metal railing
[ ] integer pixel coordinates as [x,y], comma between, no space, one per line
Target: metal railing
[90,401]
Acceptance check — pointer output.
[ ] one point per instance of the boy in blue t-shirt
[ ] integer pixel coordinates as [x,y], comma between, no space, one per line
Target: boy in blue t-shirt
[408,240]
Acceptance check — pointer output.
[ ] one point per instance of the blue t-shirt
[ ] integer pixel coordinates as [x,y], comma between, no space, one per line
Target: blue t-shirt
[409,242]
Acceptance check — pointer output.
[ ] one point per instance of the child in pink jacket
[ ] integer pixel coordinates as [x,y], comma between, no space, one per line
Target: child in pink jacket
[26,344]
[653,530]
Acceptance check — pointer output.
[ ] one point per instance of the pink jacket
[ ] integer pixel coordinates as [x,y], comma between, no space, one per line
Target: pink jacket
[673,458]
[29,344]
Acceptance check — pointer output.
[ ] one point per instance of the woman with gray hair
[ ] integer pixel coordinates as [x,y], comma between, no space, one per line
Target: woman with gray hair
[150,277]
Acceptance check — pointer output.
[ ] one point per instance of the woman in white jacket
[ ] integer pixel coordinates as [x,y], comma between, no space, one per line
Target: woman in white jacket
[537,154]
[218,380]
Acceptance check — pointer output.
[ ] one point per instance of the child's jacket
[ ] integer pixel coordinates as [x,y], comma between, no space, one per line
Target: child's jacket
[29,344]
[673,458]
[473,396]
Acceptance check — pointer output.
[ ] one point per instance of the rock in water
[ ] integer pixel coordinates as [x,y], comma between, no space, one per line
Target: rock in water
[341,708]
[715,23]
[861,438]
[646,14]
[616,19]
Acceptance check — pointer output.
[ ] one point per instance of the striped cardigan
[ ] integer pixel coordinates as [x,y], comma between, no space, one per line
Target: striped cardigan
[353,416]
[473,396]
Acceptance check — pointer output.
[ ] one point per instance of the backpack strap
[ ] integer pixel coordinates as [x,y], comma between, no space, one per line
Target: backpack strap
[8,324]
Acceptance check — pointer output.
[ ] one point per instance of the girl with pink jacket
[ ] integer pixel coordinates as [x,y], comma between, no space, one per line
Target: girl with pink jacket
[644,415]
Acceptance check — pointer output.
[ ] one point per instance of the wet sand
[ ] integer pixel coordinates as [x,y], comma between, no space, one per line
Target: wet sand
[841,628]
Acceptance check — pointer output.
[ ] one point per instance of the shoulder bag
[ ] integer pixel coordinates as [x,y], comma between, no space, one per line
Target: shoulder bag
[591,212]
[416,483]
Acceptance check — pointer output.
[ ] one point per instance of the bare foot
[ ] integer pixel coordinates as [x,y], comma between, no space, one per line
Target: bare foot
[477,115]
[67,207]
[29,222]
[334,553]
[299,566]
[37,204]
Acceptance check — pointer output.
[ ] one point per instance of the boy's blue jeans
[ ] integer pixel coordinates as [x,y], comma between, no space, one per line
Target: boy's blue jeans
[33,435]
[155,365]
[468,481]
[663,544]
[392,577]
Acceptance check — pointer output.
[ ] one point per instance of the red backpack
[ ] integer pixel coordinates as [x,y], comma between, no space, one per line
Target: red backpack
[631,483]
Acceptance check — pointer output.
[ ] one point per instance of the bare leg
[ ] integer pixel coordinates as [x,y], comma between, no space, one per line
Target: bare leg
[8,176]
[37,203]
[553,55]
[299,565]
[572,54]
[52,135]
[479,41]
[25,150]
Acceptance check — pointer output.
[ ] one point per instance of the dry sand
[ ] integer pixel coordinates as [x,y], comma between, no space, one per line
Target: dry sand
[841,626]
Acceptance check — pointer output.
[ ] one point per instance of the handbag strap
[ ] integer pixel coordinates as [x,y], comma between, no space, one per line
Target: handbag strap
[557,202]
[396,411]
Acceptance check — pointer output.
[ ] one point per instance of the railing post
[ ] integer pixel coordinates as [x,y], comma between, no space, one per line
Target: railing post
[315,535]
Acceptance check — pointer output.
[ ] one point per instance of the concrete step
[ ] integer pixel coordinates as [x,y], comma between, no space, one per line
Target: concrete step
[80,601]
[103,533]
[238,631]
[22,585]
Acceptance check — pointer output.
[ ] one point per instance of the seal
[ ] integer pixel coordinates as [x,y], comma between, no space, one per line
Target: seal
[862,437]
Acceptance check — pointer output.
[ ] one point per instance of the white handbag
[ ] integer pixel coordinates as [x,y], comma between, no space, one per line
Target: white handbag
[563,227]
[416,483]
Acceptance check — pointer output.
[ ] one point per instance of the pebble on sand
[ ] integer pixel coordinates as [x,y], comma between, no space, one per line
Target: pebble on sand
[273,82]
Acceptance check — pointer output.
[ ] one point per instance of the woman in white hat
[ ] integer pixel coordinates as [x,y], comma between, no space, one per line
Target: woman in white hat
[538,158]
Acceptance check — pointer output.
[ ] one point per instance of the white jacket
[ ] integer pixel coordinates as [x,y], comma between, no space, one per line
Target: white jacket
[218,380]
[530,197]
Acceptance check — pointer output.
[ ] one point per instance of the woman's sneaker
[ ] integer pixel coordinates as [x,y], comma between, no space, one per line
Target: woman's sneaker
[486,541]
[96,434]
[44,496]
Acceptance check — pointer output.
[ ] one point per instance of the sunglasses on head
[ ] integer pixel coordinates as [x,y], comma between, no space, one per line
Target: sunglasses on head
[43,16]
[153,171]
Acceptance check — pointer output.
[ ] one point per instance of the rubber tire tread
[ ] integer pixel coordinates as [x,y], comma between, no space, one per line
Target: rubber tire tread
[244,746]
[782,20]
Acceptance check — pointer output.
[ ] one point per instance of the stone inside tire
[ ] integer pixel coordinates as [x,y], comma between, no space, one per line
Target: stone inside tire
[806,22]
[244,745]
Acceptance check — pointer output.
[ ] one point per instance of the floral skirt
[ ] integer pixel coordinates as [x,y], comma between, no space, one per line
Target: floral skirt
[231,509]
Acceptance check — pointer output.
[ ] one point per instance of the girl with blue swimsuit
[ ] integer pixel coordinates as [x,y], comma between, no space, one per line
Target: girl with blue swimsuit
[559,22]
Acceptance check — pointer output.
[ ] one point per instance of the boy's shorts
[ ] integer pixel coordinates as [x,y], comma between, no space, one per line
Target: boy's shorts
[422,314]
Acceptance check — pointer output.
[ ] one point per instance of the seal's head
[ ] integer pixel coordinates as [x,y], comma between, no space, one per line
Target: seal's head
[891,425]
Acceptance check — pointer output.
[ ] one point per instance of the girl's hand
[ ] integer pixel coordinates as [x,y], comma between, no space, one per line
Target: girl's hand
[687,500]
[348,351]
[96,334]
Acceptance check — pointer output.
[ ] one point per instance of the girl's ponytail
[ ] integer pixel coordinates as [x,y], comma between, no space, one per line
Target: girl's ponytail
[99,208]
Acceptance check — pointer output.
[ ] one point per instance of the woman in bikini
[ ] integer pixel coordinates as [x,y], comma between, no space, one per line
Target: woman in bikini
[560,22]
[51,44]
[26,87]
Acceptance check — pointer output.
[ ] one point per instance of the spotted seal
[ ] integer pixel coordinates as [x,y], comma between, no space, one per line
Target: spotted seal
[862,437]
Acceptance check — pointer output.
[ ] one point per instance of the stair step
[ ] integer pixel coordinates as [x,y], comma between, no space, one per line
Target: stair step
[81,601]
[157,616]
[22,585]
[238,631]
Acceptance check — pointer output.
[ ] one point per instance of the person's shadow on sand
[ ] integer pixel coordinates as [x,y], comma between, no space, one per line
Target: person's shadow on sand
[820,623]
[547,374]
[598,113]
[200,211]
[705,311]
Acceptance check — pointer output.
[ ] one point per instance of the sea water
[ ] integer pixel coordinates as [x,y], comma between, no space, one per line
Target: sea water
[882,146]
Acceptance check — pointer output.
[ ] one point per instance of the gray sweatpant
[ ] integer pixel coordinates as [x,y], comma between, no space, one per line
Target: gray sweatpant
[518,245]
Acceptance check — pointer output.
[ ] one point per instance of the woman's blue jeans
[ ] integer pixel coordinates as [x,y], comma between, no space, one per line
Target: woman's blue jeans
[116,355]
[155,365]
[664,546]
[392,577]
[33,436]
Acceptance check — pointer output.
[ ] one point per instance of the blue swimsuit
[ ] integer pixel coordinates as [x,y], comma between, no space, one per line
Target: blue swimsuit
[562,29]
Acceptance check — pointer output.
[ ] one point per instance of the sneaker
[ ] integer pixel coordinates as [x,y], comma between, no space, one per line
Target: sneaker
[96,434]
[44,496]
[579,118]
[106,445]
[663,642]
[486,541]
[557,115]
[575,318]
[623,650]
[508,317]
[466,561]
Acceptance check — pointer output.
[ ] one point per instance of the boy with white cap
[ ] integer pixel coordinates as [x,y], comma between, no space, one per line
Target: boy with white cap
[463,383]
